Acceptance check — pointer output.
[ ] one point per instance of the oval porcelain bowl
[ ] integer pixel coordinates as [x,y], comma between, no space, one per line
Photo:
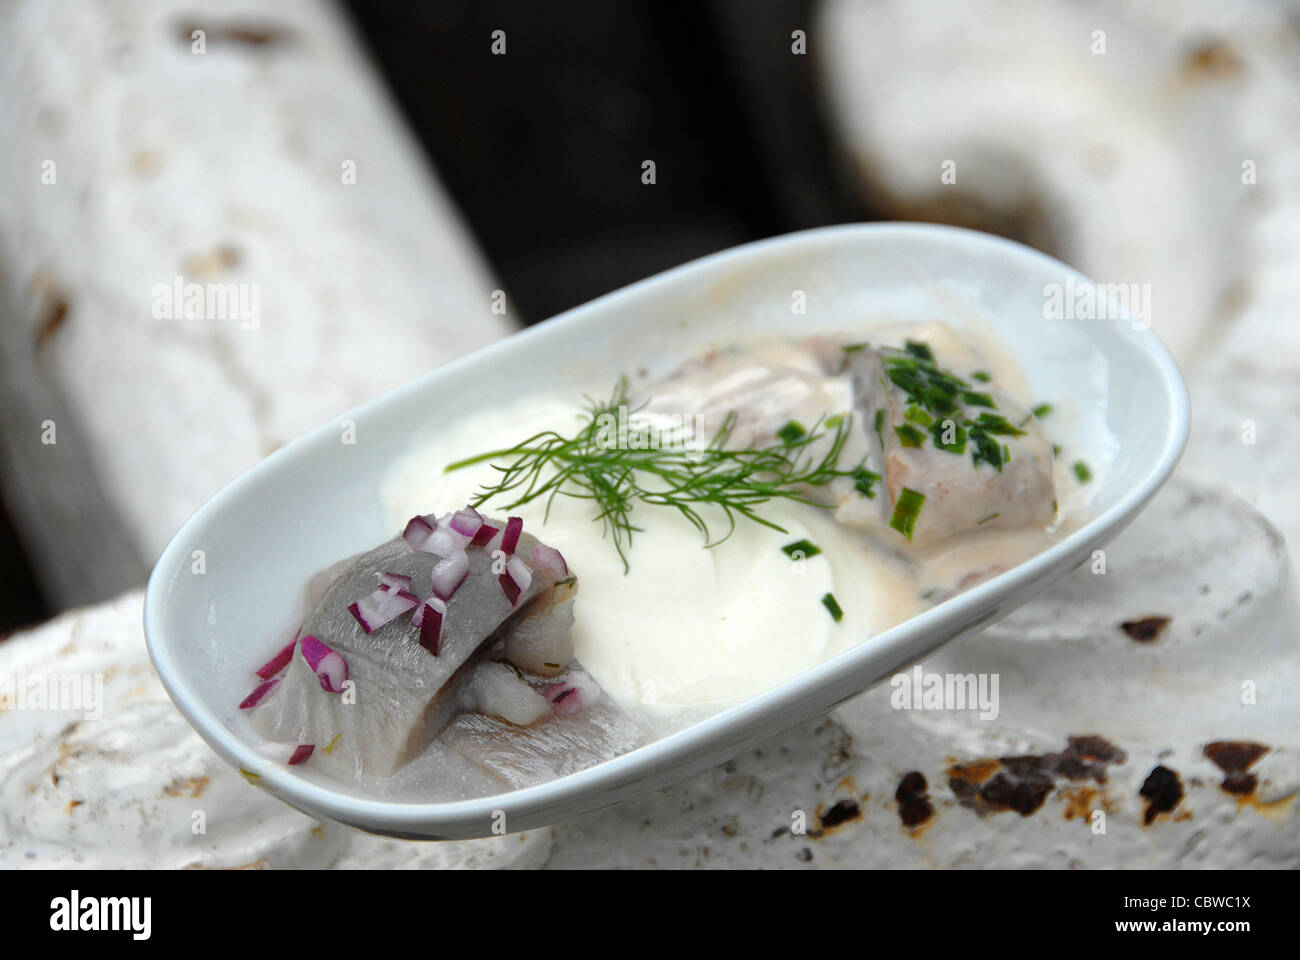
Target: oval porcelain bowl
[317,500]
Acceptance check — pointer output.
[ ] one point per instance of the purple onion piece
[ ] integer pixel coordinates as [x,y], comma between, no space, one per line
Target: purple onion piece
[510,539]
[515,580]
[445,542]
[260,691]
[449,573]
[550,559]
[301,753]
[431,613]
[381,607]
[418,530]
[329,666]
[484,535]
[277,663]
[565,699]
[466,522]
[395,582]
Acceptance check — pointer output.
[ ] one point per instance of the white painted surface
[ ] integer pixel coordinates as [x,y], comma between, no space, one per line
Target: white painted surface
[223,168]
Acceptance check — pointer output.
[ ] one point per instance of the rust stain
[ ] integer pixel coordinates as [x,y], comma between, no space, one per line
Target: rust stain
[145,163]
[264,35]
[212,262]
[1145,629]
[914,806]
[1234,758]
[53,310]
[1212,59]
[194,786]
[1279,809]
[975,772]
[1162,790]
[52,321]
[1023,783]
[72,805]
[1079,802]
[839,813]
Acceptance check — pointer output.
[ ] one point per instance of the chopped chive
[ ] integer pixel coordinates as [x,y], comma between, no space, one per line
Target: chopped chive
[1056,449]
[829,603]
[986,450]
[1042,410]
[330,748]
[855,347]
[917,415]
[974,399]
[981,376]
[792,432]
[553,666]
[919,350]
[997,424]
[1082,472]
[991,516]
[864,481]
[804,548]
[942,428]
[880,425]
[250,776]
[906,509]
[834,421]
[909,436]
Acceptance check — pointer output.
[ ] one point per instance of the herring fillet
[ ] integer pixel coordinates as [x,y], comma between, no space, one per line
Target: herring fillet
[404,696]
[524,756]
[959,496]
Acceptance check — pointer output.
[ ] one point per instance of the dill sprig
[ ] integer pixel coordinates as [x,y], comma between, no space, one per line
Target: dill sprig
[687,479]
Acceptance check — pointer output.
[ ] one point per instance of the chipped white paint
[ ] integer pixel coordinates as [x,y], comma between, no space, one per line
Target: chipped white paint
[130,789]
[226,167]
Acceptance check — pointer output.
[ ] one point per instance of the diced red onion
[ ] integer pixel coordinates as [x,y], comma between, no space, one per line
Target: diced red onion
[395,582]
[329,667]
[520,572]
[548,558]
[277,663]
[576,692]
[301,753]
[510,539]
[516,579]
[466,522]
[446,541]
[418,530]
[485,533]
[429,619]
[449,573]
[565,699]
[381,607]
[260,691]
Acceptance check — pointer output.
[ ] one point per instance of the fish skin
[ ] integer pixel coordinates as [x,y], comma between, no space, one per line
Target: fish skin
[404,696]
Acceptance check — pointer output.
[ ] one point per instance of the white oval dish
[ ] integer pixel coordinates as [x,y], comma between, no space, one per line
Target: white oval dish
[318,499]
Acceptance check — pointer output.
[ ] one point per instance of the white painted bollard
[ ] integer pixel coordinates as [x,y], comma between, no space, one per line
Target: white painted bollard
[215,234]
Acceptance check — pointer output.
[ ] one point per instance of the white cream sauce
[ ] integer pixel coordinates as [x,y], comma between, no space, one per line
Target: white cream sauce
[690,630]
